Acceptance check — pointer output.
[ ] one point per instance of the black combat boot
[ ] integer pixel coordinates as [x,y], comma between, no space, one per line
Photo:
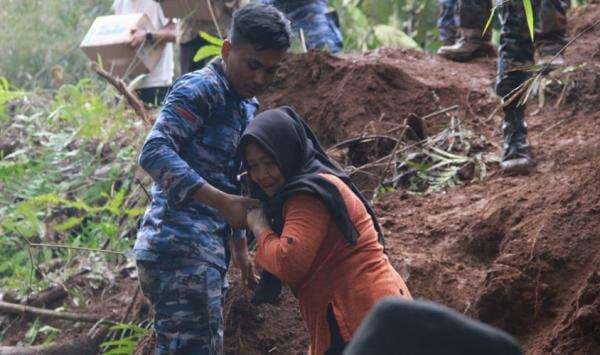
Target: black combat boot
[516,156]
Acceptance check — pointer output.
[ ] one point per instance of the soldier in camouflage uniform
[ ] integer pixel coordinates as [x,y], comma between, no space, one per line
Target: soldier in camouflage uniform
[470,16]
[516,51]
[319,26]
[182,245]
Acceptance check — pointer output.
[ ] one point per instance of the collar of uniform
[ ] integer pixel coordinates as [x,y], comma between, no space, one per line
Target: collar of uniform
[217,66]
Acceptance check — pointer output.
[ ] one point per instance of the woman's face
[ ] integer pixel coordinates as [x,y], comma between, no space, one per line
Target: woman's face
[262,169]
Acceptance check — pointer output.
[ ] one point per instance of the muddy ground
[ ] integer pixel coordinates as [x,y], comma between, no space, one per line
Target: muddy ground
[519,252]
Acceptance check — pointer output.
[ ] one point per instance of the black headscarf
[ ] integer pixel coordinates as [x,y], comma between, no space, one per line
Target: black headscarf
[300,157]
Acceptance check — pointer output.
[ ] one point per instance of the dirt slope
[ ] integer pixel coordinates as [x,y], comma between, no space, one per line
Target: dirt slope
[521,253]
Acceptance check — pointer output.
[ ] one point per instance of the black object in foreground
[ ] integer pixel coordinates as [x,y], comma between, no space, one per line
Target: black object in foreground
[267,290]
[398,326]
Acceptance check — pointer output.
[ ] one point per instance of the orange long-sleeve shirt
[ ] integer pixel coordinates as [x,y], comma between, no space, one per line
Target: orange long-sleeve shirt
[322,268]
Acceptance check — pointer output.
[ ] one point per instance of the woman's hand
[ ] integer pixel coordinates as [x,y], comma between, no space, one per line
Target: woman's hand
[257,221]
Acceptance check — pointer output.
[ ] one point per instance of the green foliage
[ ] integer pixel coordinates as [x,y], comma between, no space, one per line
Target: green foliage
[69,180]
[529,16]
[7,94]
[439,162]
[210,50]
[39,34]
[389,36]
[370,24]
[127,336]
[37,330]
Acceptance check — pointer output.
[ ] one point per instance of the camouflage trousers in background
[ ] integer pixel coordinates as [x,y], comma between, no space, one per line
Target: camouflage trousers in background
[467,14]
[188,306]
[516,48]
[447,22]
[319,26]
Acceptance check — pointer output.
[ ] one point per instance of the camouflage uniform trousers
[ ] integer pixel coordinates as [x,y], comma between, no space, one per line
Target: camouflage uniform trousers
[467,14]
[447,21]
[188,306]
[320,28]
[516,48]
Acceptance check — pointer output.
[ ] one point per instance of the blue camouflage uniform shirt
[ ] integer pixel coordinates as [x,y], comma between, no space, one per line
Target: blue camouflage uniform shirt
[192,142]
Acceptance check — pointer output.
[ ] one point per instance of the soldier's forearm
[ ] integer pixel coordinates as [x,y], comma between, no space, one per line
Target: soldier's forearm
[211,196]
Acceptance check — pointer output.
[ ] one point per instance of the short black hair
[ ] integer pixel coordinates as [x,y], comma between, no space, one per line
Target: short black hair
[262,26]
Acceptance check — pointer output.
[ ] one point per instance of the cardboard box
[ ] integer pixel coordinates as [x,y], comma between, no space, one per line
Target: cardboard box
[197,9]
[109,39]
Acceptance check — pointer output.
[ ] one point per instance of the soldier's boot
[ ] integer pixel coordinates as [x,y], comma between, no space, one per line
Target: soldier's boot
[516,155]
[469,45]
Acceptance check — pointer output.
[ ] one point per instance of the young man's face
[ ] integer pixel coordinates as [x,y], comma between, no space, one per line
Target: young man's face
[249,70]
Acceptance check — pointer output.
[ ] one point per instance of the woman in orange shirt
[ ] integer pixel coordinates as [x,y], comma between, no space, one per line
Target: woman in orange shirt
[316,232]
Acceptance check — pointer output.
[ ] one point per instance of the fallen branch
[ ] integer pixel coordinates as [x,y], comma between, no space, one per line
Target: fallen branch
[48,296]
[444,110]
[516,92]
[415,125]
[393,155]
[53,293]
[77,346]
[44,245]
[45,313]
[133,100]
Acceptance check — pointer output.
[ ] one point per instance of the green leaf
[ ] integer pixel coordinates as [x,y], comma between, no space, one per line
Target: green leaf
[207,52]
[210,38]
[489,20]
[115,204]
[392,37]
[529,15]
[134,212]
[69,223]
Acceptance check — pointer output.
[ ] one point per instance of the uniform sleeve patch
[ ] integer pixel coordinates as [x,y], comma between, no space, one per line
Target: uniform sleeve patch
[186,114]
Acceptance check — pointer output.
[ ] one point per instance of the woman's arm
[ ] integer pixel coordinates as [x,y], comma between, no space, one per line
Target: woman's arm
[290,256]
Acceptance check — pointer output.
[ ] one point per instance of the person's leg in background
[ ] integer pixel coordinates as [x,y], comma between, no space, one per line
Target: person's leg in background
[551,31]
[514,55]
[319,26]
[472,17]
[447,22]
[187,304]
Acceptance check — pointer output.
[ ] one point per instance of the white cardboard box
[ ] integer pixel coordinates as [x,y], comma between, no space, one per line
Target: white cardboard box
[109,38]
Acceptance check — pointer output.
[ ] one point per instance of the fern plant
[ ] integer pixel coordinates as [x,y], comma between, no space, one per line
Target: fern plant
[125,339]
